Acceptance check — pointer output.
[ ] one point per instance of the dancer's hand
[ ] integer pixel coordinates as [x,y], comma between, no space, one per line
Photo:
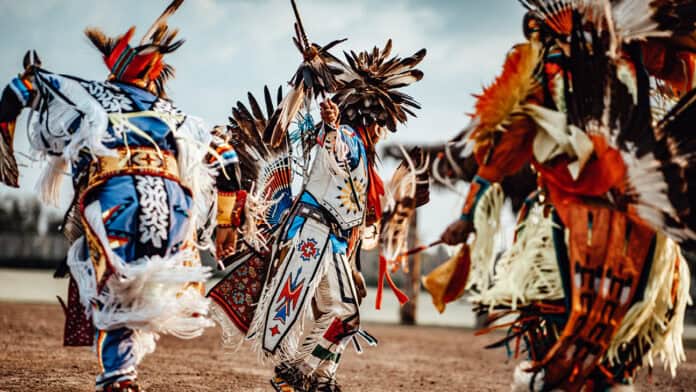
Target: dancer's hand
[457,233]
[225,242]
[359,285]
[329,113]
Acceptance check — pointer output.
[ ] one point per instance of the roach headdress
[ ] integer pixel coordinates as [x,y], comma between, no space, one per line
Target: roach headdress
[144,64]
[369,88]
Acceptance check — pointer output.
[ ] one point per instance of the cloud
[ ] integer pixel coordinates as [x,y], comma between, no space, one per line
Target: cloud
[238,46]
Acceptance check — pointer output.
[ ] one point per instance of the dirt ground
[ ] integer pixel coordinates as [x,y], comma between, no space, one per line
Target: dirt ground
[407,359]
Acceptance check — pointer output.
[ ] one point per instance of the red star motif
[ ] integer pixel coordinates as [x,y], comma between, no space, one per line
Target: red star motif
[275,331]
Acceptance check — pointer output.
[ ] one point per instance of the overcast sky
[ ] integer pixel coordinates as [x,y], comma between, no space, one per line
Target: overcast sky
[237,46]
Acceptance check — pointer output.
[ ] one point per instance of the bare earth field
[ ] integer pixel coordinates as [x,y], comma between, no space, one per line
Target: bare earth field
[407,359]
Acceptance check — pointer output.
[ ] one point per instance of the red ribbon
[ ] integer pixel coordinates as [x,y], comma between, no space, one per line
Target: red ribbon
[375,189]
[384,274]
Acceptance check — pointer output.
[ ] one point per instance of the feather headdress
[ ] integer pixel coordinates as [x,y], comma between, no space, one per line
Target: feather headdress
[142,65]
[556,14]
[369,88]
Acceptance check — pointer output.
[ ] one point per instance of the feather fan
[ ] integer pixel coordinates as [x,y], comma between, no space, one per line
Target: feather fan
[676,151]
[266,170]
[315,77]
[368,92]
[556,14]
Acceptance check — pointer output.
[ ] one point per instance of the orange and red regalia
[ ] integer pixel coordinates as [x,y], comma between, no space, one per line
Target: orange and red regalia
[595,272]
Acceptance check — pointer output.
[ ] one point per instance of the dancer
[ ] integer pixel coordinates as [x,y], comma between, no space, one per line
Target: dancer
[143,190]
[595,273]
[304,264]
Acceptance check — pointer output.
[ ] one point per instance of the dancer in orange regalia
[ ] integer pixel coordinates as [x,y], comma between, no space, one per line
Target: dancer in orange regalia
[595,272]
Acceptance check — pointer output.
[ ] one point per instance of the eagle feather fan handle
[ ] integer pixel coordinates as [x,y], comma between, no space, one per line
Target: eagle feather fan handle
[315,77]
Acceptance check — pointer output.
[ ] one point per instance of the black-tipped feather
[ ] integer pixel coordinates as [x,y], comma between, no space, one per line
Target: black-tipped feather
[368,91]
[676,150]
[245,133]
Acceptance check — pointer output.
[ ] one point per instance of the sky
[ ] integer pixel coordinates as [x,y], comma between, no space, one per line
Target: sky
[237,46]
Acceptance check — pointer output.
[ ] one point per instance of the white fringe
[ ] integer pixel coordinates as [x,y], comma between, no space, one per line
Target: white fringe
[232,338]
[313,338]
[403,184]
[256,329]
[522,379]
[140,344]
[255,212]
[51,180]
[193,140]
[289,347]
[82,270]
[487,224]
[528,271]
[647,320]
[149,294]
[93,129]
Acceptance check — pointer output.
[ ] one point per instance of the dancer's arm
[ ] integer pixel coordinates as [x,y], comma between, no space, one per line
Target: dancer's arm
[231,198]
[496,160]
[502,135]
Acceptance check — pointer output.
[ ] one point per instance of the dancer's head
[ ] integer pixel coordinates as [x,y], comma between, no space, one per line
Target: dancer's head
[142,65]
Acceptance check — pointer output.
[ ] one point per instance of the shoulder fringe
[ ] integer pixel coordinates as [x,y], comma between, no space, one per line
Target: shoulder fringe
[487,224]
[90,136]
[193,140]
[649,320]
[528,271]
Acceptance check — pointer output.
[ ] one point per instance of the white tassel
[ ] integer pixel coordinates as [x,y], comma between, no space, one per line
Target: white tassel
[82,270]
[151,294]
[487,224]
[528,271]
[232,338]
[647,320]
[193,140]
[51,180]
